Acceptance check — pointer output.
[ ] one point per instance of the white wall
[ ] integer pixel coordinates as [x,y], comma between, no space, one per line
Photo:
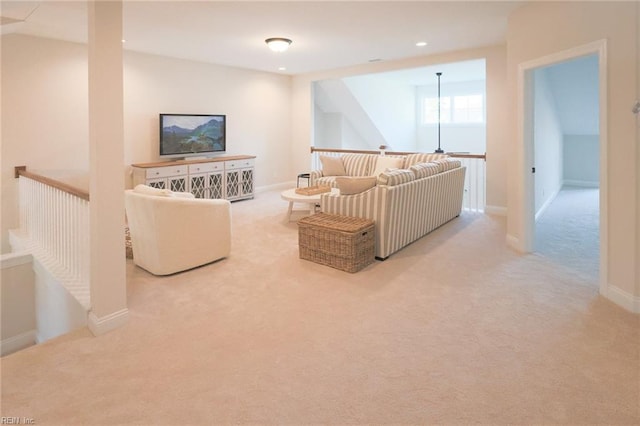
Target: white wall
[57,311]
[319,122]
[18,302]
[45,111]
[575,86]
[333,130]
[581,160]
[395,109]
[539,29]
[257,106]
[454,137]
[346,124]
[498,140]
[547,136]
[497,137]
[331,127]
[35,306]
[351,138]
[390,105]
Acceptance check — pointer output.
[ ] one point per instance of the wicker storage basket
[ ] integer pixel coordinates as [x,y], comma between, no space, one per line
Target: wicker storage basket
[345,243]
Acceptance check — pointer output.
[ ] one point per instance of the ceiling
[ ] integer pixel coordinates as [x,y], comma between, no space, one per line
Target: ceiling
[455,72]
[326,35]
[574,86]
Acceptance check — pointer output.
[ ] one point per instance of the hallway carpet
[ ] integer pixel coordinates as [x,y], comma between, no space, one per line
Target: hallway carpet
[454,329]
[568,231]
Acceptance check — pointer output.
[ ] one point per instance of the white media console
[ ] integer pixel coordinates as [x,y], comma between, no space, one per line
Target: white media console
[228,177]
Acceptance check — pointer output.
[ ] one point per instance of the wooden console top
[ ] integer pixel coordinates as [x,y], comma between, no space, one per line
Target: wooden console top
[204,160]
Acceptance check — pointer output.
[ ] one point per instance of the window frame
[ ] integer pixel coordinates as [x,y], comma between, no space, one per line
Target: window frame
[448,117]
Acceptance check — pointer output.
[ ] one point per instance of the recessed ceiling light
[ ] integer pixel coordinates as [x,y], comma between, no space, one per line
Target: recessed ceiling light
[123,40]
[282,68]
[421,43]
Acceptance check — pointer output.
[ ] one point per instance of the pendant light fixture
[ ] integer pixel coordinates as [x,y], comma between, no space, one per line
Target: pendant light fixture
[439,150]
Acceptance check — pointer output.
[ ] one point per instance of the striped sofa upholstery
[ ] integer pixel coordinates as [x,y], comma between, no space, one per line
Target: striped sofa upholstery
[364,165]
[406,211]
[354,165]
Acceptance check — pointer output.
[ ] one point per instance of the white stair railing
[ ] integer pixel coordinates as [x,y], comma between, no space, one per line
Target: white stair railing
[475,181]
[54,228]
[474,198]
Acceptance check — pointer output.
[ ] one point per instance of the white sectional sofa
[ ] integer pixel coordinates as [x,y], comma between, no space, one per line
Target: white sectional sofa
[406,202]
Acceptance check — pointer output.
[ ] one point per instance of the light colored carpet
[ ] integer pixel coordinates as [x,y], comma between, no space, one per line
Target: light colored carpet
[454,329]
[568,232]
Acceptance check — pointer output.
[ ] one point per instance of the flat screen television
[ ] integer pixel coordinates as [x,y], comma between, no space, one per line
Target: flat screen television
[190,135]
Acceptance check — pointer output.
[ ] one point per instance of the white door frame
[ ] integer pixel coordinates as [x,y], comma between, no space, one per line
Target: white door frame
[525,140]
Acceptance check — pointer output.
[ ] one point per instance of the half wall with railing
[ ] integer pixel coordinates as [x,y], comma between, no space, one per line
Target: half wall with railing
[54,228]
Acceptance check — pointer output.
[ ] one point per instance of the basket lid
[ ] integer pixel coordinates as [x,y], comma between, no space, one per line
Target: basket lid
[337,222]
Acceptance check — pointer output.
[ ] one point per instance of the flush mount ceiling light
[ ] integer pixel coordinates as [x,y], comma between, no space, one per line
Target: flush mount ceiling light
[278,44]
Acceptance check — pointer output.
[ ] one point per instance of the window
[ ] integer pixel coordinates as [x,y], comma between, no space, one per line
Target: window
[431,110]
[454,109]
[467,109]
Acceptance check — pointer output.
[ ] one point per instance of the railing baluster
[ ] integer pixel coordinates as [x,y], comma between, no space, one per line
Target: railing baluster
[65,232]
[54,222]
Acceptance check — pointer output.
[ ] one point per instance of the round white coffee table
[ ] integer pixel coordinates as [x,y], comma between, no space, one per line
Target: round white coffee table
[291,196]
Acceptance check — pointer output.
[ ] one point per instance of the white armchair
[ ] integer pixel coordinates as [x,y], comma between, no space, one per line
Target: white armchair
[173,232]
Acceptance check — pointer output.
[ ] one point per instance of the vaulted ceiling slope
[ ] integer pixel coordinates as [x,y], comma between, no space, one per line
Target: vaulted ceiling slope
[326,35]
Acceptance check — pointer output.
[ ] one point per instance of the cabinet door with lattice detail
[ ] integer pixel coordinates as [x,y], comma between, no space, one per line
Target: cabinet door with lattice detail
[157,183]
[216,186]
[232,185]
[198,185]
[247,182]
[178,183]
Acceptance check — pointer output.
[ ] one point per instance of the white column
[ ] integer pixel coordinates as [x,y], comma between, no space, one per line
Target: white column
[106,159]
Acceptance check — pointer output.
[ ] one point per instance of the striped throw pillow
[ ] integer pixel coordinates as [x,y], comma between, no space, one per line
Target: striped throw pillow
[349,185]
[422,157]
[422,170]
[357,164]
[447,164]
[395,177]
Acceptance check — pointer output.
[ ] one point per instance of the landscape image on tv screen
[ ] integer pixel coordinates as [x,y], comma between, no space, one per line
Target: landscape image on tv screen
[188,134]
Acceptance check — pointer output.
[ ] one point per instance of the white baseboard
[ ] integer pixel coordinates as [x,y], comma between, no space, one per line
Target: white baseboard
[495,210]
[623,299]
[583,183]
[15,343]
[40,338]
[514,243]
[275,186]
[107,323]
[546,204]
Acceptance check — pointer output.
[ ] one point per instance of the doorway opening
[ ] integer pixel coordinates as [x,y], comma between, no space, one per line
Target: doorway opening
[567,160]
[562,120]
